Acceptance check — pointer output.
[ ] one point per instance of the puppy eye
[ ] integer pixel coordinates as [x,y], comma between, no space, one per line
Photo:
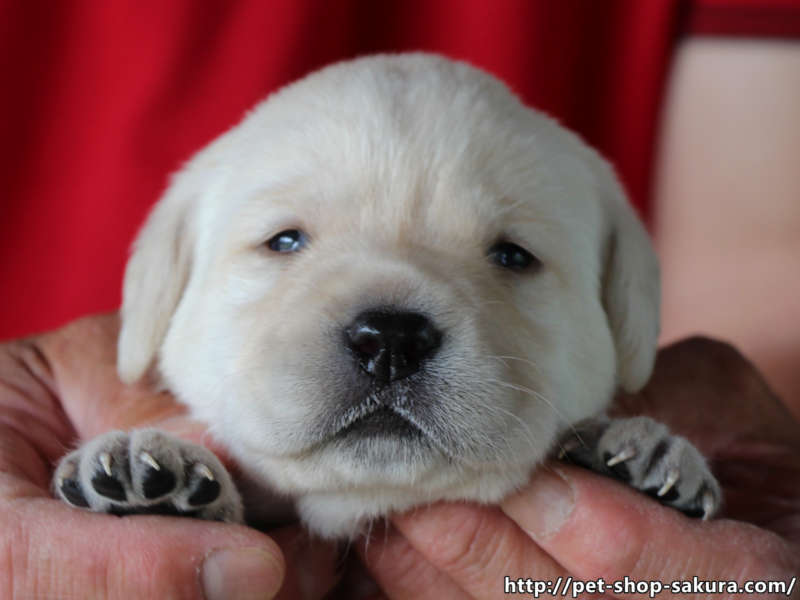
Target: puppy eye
[290,240]
[511,256]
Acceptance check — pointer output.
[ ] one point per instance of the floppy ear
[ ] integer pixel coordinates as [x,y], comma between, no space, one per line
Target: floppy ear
[155,277]
[631,288]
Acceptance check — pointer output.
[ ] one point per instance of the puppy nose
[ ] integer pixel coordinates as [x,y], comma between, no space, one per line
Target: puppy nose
[392,345]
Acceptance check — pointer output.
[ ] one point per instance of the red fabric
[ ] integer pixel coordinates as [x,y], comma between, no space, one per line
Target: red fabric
[756,18]
[101,100]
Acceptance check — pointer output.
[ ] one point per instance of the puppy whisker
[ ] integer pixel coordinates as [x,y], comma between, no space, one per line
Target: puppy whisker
[530,392]
[517,358]
[541,397]
[535,394]
[526,429]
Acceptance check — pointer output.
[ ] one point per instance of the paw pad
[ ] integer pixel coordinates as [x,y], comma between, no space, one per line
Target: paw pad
[644,454]
[147,472]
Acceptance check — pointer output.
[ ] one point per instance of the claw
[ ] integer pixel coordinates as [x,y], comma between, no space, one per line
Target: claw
[148,459]
[105,460]
[67,471]
[672,478]
[708,504]
[568,447]
[625,454]
[203,471]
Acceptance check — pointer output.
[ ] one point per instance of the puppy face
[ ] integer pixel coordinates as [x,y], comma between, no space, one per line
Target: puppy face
[392,283]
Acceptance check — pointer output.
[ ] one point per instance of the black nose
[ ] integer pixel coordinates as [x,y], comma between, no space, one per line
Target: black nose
[392,345]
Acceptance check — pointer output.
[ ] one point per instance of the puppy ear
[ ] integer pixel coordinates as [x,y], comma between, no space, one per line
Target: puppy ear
[631,288]
[155,277]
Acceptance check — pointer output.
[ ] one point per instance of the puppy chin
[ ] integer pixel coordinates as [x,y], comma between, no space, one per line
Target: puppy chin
[340,488]
[346,513]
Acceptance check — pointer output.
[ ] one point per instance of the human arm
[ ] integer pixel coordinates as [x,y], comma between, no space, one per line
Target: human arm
[727,201]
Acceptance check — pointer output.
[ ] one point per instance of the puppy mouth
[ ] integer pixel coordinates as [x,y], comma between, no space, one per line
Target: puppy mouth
[398,415]
[384,422]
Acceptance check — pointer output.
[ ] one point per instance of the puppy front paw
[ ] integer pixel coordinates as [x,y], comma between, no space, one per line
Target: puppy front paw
[644,454]
[147,472]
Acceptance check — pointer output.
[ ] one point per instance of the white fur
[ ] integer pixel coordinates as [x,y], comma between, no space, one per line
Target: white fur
[403,170]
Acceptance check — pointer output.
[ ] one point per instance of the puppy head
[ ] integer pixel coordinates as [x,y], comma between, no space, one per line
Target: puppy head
[392,283]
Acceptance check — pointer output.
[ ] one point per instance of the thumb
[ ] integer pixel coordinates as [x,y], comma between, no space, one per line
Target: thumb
[595,527]
[54,551]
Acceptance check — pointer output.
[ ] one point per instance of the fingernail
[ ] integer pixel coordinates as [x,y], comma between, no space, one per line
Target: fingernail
[241,574]
[542,508]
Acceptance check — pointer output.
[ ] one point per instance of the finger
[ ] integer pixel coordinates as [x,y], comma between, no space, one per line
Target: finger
[81,357]
[596,527]
[690,390]
[476,546]
[53,551]
[27,399]
[401,571]
[312,568]
[62,386]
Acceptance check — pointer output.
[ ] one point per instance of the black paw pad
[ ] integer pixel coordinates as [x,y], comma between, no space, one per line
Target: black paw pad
[166,509]
[157,482]
[73,493]
[205,492]
[107,486]
[694,513]
[659,452]
[669,496]
[619,470]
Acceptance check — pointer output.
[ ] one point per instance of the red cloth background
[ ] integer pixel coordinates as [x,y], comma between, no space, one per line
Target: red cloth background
[102,99]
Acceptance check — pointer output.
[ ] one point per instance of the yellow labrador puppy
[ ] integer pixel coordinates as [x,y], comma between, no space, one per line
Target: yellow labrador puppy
[391,283]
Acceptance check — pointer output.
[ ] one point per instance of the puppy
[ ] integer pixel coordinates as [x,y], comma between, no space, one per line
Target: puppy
[392,283]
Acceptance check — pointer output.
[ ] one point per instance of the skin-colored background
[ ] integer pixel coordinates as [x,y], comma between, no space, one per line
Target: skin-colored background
[727,221]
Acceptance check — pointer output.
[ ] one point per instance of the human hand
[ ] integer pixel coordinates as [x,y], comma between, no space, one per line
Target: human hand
[61,387]
[571,522]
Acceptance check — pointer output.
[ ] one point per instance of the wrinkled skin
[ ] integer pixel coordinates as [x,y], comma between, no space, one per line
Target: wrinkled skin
[61,387]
